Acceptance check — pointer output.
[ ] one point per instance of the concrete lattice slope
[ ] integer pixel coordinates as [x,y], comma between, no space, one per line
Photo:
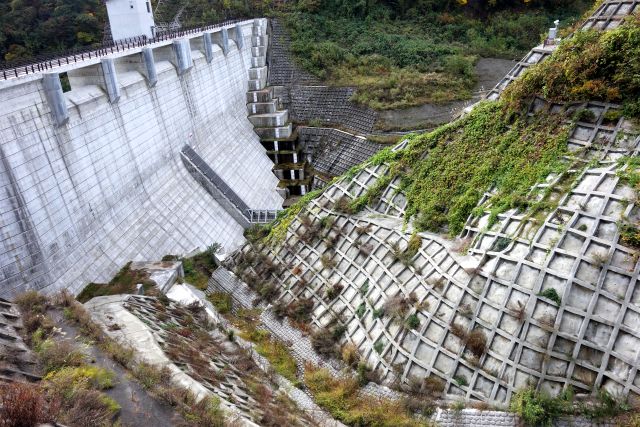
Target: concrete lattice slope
[588,341]
[548,299]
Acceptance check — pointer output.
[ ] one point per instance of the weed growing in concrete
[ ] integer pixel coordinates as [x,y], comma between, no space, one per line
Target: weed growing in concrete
[342,398]
[334,291]
[458,331]
[276,352]
[476,342]
[221,301]
[350,354]
[362,308]
[397,306]
[364,289]
[519,310]
[327,261]
[537,408]
[343,205]
[379,346]
[551,294]
[412,322]
[599,259]
[460,380]
[325,340]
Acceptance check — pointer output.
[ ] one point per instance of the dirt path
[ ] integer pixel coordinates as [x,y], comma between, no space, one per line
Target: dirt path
[138,408]
[489,72]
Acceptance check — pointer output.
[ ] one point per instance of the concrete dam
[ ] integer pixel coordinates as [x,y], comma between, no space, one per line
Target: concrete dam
[149,152]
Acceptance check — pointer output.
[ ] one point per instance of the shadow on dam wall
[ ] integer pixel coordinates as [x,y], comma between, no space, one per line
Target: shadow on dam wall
[93,178]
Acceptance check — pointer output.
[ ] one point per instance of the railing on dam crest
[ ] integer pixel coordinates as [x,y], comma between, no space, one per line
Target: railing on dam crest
[37,64]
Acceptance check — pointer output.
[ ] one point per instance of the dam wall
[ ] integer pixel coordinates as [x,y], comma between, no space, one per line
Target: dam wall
[92,177]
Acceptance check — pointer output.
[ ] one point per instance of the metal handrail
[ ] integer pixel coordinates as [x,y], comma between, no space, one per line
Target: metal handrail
[10,70]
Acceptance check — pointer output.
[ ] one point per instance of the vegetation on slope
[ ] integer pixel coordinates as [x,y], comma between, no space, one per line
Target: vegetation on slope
[124,282]
[401,54]
[539,409]
[199,267]
[398,53]
[591,65]
[342,398]
[71,392]
[445,173]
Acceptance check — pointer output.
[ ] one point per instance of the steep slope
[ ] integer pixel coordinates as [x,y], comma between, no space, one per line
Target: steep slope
[534,283]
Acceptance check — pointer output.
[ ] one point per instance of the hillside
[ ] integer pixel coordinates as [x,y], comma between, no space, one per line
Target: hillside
[398,54]
[493,259]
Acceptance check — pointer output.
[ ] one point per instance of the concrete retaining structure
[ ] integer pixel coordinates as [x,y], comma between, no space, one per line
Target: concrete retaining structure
[93,177]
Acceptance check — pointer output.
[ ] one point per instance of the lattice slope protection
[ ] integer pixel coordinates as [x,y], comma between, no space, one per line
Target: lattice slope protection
[186,340]
[586,338]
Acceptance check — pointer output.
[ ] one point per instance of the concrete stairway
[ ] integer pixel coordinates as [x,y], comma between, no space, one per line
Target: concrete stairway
[271,122]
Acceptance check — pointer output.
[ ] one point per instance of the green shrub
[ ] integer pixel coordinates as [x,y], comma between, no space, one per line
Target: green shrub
[94,376]
[364,289]
[412,322]
[55,355]
[276,352]
[538,409]
[552,294]
[362,308]
[606,406]
[198,268]
[500,244]
[591,65]
[222,301]
[124,282]
[379,346]
[151,376]
[630,235]
[342,399]
[461,381]
[334,291]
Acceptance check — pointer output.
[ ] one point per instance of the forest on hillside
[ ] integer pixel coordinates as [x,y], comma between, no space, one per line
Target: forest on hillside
[398,52]
[402,53]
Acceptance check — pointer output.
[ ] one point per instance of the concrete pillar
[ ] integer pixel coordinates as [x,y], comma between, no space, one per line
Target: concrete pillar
[222,39]
[150,66]
[110,79]
[55,98]
[182,52]
[236,35]
[208,47]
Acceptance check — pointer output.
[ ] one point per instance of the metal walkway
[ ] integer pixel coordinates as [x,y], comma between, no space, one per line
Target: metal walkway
[221,192]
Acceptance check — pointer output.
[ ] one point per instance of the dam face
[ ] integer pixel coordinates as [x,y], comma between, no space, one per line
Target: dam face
[94,177]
